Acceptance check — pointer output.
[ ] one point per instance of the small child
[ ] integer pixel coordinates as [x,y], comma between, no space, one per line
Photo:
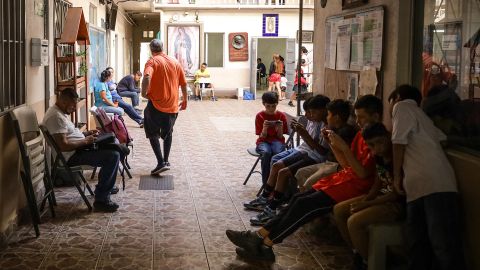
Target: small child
[270,125]
[381,204]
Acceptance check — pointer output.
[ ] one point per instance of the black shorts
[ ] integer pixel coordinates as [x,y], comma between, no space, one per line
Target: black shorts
[296,161]
[157,123]
[204,85]
[303,88]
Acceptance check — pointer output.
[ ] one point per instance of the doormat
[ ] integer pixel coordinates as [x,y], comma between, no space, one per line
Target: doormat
[155,182]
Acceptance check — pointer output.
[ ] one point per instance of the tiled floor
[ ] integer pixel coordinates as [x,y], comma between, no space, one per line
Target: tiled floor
[179,229]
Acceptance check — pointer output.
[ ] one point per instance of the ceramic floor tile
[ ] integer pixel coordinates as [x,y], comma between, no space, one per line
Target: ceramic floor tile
[78,242]
[70,261]
[129,243]
[230,261]
[25,242]
[180,261]
[21,261]
[125,261]
[182,242]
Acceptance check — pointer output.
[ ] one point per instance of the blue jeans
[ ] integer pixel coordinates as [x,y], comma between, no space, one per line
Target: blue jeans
[132,95]
[434,232]
[114,110]
[267,150]
[129,110]
[283,155]
[108,161]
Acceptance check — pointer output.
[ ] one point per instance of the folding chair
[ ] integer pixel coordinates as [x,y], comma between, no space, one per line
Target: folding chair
[60,163]
[35,169]
[101,122]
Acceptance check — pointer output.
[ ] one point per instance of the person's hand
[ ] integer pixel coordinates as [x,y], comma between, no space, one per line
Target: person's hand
[337,142]
[357,206]
[301,130]
[266,124]
[90,139]
[325,131]
[94,132]
[398,185]
[278,126]
[115,104]
[183,105]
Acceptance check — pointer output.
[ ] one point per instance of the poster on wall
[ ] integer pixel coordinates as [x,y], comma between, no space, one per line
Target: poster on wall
[270,25]
[96,54]
[183,43]
[238,46]
[343,45]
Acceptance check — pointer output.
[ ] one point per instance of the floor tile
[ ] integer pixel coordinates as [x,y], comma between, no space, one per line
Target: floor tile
[180,261]
[70,261]
[125,261]
[180,242]
[230,261]
[21,261]
[78,242]
[129,243]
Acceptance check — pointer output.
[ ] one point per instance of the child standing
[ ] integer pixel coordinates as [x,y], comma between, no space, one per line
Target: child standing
[270,125]
[433,227]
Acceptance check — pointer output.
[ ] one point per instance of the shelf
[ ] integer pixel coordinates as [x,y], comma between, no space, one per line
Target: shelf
[71,82]
[69,59]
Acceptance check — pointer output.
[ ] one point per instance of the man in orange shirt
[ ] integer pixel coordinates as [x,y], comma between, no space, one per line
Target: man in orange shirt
[163,76]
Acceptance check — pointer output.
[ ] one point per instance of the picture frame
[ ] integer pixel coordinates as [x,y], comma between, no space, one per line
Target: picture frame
[270,25]
[183,42]
[307,36]
[346,4]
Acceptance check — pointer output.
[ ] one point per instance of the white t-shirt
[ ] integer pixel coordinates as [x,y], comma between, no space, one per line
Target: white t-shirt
[426,167]
[314,129]
[58,122]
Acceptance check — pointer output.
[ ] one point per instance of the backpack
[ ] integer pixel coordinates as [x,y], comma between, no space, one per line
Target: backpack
[115,125]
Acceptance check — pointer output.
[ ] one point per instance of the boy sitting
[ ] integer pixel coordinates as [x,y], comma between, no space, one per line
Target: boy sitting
[381,204]
[270,125]
[312,151]
[338,113]
[354,180]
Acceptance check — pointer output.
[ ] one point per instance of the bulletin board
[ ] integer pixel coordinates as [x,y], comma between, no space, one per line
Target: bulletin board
[353,54]
[354,41]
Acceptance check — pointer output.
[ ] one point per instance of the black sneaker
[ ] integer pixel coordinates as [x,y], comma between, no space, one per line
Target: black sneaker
[114,190]
[245,239]
[108,206]
[290,103]
[159,169]
[263,217]
[258,204]
[166,165]
[262,253]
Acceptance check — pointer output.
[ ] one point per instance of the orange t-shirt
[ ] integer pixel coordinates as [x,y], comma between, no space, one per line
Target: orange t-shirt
[345,184]
[166,77]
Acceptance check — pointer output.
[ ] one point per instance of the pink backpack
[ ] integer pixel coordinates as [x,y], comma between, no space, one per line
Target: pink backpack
[115,125]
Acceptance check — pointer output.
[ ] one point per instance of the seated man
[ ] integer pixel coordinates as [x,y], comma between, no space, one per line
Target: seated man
[71,141]
[353,180]
[261,70]
[202,81]
[127,87]
[312,151]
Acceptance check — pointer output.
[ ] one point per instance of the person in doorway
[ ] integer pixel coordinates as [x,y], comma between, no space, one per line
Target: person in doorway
[303,87]
[163,76]
[127,87]
[276,77]
[261,70]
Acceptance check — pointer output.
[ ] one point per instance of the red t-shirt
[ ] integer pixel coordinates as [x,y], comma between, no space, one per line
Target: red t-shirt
[345,184]
[271,133]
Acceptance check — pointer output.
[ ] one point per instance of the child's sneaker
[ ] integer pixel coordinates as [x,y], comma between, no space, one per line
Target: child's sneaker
[257,205]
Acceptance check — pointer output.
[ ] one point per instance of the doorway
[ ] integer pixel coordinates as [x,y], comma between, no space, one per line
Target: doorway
[264,48]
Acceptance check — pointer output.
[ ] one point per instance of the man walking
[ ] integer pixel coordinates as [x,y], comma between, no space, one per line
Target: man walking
[163,76]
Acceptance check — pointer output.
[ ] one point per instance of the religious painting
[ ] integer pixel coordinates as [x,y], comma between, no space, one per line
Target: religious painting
[270,25]
[183,43]
[238,46]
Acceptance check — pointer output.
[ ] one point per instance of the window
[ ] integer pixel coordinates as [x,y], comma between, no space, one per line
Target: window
[12,54]
[92,15]
[451,69]
[214,49]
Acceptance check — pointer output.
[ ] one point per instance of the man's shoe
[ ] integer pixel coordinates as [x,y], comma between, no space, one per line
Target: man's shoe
[159,169]
[114,190]
[263,253]
[290,103]
[108,206]
[257,205]
[245,239]
[263,217]
[166,165]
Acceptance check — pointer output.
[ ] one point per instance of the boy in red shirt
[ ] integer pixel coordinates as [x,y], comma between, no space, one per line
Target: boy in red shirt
[270,125]
[354,180]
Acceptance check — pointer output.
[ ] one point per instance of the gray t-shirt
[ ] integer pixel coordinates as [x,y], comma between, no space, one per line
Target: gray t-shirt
[58,122]
[314,129]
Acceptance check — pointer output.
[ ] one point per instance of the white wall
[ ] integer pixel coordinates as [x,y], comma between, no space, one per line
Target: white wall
[237,74]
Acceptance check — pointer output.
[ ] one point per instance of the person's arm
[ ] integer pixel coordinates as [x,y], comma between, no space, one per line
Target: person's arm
[65,145]
[373,192]
[103,95]
[183,84]
[307,138]
[398,157]
[131,85]
[358,168]
[389,197]
[146,85]
[183,106]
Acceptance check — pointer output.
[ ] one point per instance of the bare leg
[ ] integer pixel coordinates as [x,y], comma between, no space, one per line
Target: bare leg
[272,178]
[277,85]
[270,84]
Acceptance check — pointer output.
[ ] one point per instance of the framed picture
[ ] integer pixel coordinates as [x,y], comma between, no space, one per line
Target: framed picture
[270,25]
[183,43]
[307,36]
[346,4]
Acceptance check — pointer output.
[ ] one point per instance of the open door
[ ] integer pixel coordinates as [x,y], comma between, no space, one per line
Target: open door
[290,63]
[253,67]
